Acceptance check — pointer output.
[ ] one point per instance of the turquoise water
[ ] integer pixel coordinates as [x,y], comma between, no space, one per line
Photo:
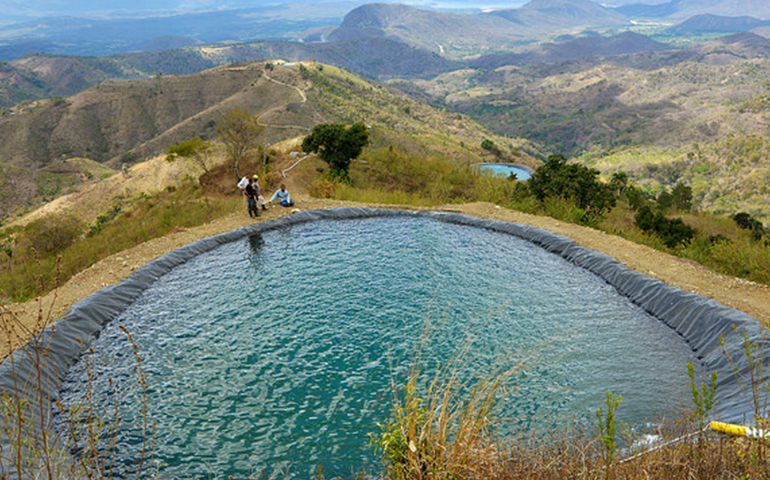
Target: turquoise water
[277,353]
[505,170]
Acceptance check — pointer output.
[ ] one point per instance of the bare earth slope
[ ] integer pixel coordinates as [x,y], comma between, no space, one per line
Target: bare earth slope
[749,297]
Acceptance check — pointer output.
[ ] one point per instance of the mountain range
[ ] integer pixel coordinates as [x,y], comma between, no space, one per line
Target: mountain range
[698,115]
[682,9]
[458,35]
[452,28]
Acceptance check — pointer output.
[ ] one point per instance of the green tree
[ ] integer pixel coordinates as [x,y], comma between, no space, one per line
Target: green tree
[747,222]
[491,147]
[673,232]
[195,148]
[337,146]
[619,182]
[558,179]
[682,197]
[665,201]
[238,131]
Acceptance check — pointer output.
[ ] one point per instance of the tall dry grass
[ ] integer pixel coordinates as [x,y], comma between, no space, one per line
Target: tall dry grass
[83,443]
[150,217]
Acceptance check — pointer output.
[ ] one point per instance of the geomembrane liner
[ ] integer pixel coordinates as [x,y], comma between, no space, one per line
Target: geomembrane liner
[700,321]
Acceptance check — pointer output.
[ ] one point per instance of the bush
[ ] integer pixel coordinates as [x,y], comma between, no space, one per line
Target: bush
[54,234]
[557,179]
[747,222]
[673,232]
[324,188]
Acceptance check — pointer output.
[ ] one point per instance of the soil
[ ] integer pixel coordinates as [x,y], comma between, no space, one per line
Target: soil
[743,295]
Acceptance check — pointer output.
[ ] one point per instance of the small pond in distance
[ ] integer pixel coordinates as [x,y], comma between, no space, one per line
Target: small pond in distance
[505,170]
[279,351]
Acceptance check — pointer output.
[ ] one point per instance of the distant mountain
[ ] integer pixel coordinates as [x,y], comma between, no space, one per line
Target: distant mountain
[740,46]
[457,35]
[40,76]
[552,15]
[444,33]
[699,115]
[720,51]
[708,23]
[682,9]
[575,49]
[762,31]
[71,35]
[672,97]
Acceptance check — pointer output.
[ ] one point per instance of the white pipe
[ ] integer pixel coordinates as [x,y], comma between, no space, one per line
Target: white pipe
[295,164]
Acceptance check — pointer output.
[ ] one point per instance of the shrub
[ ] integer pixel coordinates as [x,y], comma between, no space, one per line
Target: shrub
[673,232]
[747,222]
[53,234]
[558,179]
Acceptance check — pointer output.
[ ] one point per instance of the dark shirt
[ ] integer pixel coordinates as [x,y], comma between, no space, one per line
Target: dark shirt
[252,190]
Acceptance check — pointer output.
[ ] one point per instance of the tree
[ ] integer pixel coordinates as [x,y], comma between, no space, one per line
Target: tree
[195,148]
[238,131]
[619,181]
[682,197]
[747,222]
[665,200]
[337,146]
[672,232]
[491,147]
[558,179]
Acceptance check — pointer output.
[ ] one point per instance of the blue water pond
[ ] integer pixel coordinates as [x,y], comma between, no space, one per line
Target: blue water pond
[505,170]
[279,352]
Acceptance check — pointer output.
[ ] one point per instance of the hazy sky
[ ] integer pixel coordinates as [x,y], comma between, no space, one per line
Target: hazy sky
[36,8]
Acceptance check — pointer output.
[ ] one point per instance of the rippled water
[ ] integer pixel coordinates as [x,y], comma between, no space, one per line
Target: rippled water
[278,352]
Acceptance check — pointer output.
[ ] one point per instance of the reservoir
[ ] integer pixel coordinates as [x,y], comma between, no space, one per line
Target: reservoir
[505,170]
[278,352]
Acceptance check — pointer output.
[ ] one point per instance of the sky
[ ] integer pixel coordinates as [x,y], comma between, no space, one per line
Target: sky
[39,8]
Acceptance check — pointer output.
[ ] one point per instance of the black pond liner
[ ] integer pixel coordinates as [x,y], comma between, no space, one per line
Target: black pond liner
[700,321]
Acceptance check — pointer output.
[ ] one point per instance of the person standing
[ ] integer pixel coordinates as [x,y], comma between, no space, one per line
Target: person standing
[252,193]
[283,197]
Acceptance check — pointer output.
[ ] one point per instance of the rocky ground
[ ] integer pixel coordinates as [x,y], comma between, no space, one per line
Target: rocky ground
[743,295]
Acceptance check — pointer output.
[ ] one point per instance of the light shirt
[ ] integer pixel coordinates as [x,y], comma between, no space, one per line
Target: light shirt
[282,195]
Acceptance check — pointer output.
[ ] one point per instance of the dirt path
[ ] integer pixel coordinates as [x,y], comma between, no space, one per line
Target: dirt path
[749,297]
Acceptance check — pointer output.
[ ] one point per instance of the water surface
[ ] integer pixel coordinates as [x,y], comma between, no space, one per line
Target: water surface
[278,352]
[505,170]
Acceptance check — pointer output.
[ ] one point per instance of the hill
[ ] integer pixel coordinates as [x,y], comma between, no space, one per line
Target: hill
[708,23]
[123,122]
[547,16]
[682,9]
[661,101]
[40,76]
[459,35]
[573,49]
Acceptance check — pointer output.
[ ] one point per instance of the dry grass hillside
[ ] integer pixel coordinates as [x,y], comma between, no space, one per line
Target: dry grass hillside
[699,115]
[122,122]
